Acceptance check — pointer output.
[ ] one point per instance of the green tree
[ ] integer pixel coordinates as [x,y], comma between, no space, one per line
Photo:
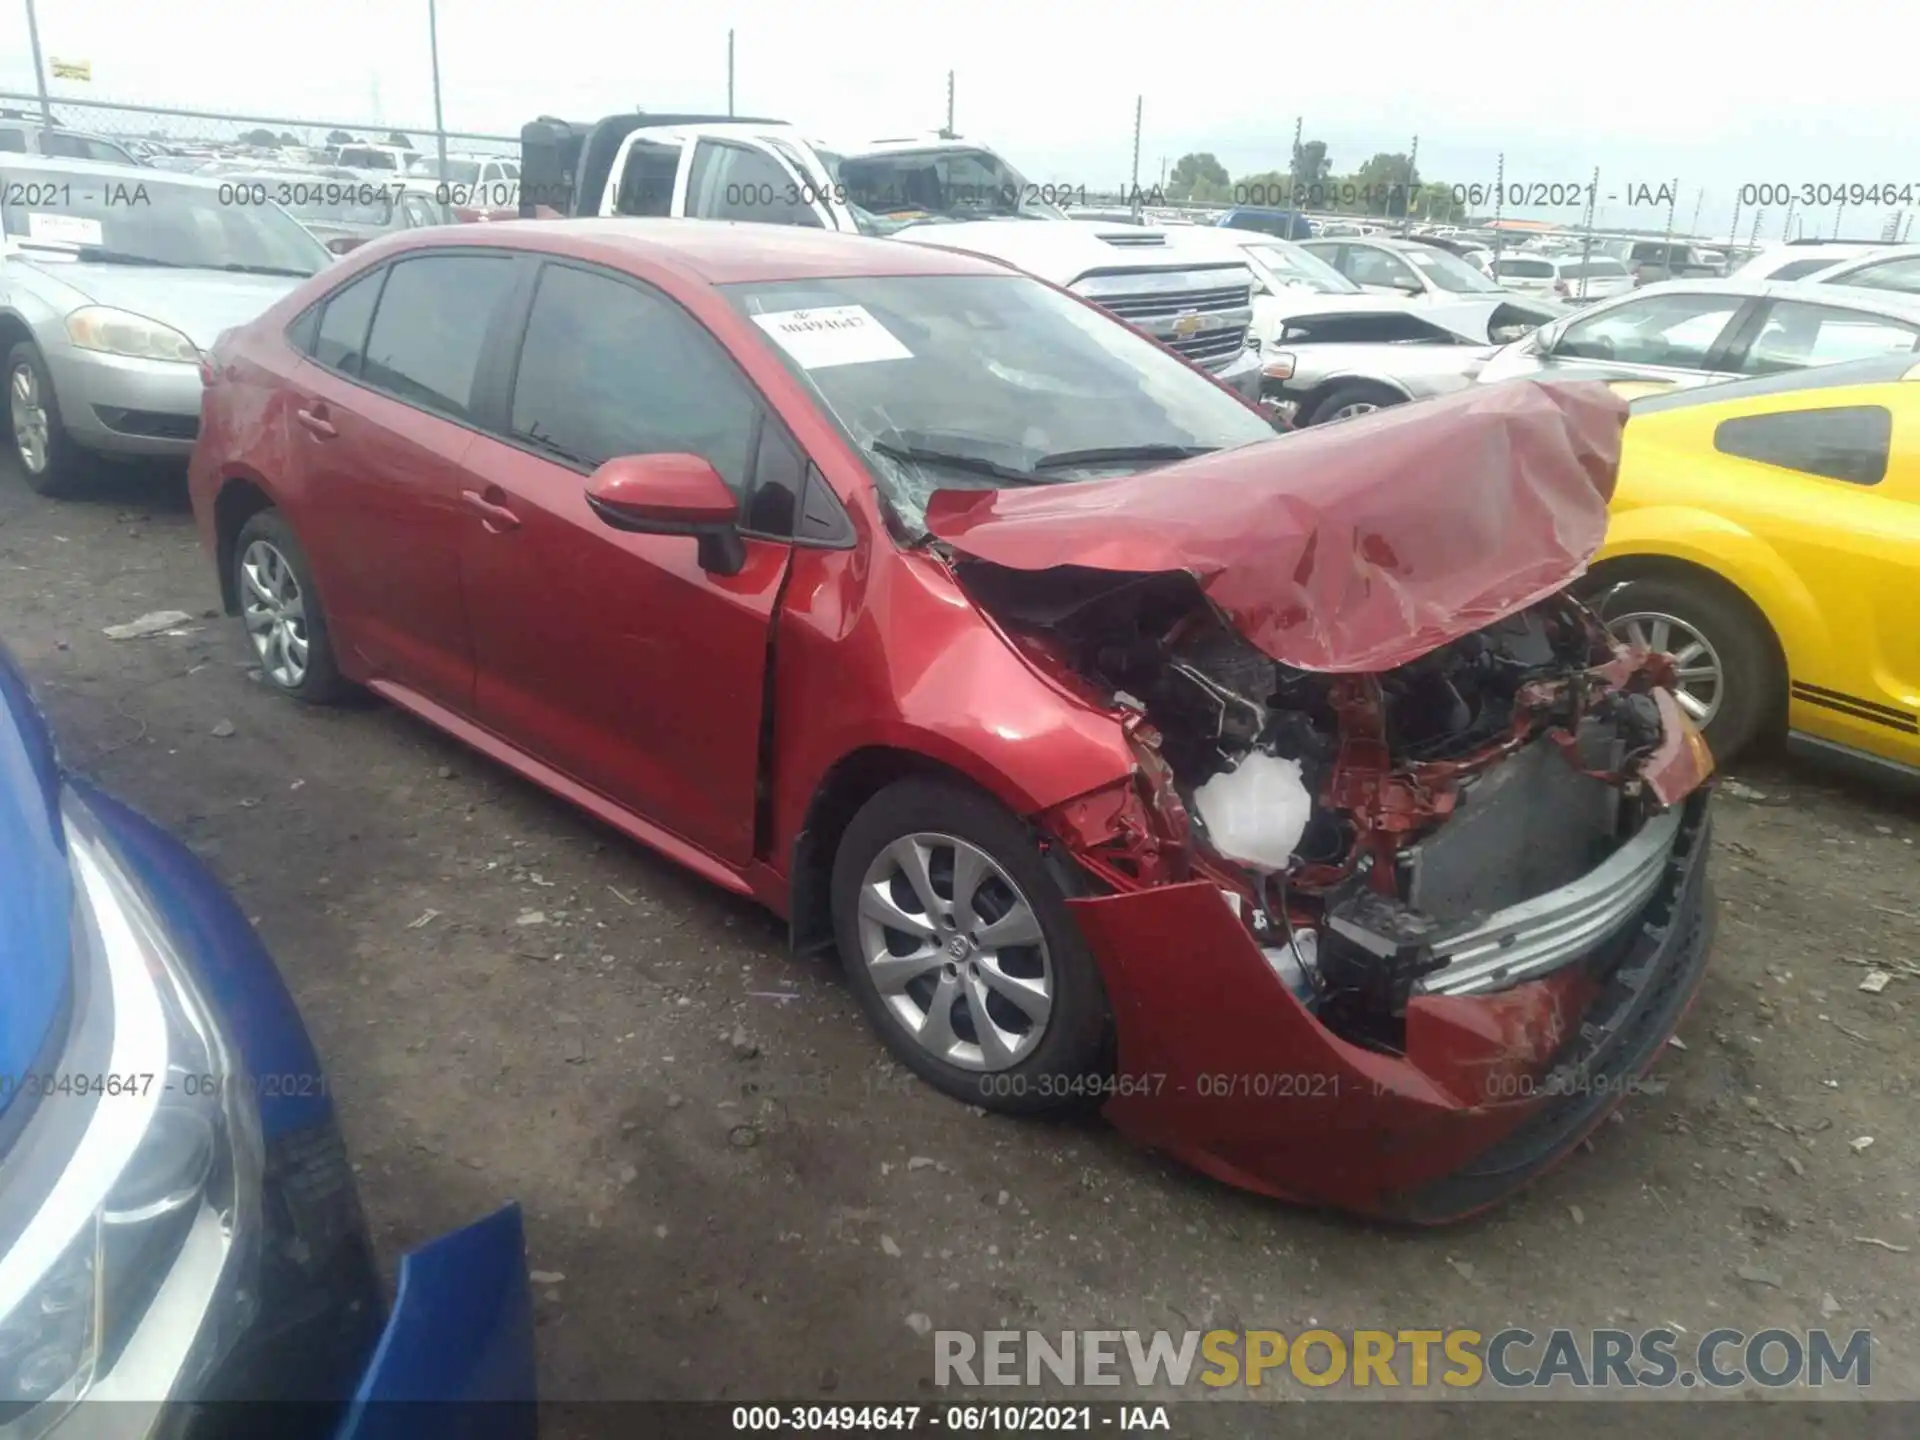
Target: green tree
[1310,162]
[258,137]
[394,137]
[1266,187]
[339,137]
[1434,201]
[1199,177]
[1385,184]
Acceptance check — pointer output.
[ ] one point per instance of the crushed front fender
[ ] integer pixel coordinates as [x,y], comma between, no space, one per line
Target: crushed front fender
[1221,1066]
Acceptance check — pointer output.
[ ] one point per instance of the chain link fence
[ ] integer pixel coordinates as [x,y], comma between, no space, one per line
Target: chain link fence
[214,130]
[1598,208]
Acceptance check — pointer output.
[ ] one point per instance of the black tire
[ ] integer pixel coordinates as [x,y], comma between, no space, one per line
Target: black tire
[1062,1072]
[68,466]
[1752,685]
[322,682]
[1355,392]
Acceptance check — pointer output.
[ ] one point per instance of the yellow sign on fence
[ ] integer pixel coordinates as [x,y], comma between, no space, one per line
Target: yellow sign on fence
[72,69]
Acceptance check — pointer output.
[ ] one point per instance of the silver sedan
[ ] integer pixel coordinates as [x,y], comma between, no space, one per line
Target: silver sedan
[114,280]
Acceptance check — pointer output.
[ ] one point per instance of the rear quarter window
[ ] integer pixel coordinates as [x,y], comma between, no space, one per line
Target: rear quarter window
[1842,442]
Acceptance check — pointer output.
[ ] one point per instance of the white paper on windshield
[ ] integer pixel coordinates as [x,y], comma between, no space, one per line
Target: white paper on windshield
[64,229]
[832,335]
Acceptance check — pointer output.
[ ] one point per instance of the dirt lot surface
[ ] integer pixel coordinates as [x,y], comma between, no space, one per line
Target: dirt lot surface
[745,1202]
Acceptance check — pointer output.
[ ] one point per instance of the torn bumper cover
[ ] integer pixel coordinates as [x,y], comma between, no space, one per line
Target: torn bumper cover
[1222,1066]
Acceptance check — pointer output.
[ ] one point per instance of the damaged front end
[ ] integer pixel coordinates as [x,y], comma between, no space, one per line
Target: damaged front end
[1462,864]
[1485,814]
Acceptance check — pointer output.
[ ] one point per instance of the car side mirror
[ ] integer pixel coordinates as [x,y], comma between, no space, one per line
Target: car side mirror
[671,495]
[1544,340]
[1409,286]
[1260,287]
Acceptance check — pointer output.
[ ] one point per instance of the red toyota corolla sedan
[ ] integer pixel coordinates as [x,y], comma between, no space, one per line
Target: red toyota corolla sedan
[1266,790]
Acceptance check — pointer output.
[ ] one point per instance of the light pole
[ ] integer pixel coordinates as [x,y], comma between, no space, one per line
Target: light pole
[439,124]
[39,66]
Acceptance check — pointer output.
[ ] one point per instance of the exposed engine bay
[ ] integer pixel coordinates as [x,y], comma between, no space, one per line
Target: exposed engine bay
[1354,820]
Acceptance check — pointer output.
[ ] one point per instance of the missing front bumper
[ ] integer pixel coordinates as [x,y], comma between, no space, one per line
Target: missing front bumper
[1539,936]
[1228,1071]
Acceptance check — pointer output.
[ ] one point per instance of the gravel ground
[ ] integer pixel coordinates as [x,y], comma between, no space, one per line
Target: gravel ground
[744,1201]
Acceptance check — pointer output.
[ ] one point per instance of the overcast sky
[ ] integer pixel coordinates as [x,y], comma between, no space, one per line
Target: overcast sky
[1714,93]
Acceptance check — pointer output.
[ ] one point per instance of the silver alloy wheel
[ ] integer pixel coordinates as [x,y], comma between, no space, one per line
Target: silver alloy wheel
[1699,681]
[275,613]
[1358,407]
[956,951]
[31,428]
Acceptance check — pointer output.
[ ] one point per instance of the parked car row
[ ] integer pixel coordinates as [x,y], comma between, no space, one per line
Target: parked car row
[990,643]
[991,640]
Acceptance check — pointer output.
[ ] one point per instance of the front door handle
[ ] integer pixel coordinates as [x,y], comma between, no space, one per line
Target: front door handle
[317,422]
[495,517]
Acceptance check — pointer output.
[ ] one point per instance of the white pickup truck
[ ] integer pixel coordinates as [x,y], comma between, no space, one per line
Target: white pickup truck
[933,190]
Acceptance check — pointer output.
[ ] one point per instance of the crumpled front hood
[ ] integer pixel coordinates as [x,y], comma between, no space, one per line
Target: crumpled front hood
[1346,548]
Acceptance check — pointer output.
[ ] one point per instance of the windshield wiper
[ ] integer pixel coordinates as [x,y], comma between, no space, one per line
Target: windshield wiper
[101,255]
[240,269]
[1121,455]
[954,460]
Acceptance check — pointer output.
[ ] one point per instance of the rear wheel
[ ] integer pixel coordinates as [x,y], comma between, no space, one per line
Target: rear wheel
[1729,681]
[280,606]
[956,938]
[1347,401]
[51,464]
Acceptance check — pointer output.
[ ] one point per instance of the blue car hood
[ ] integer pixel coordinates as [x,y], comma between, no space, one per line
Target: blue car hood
[35,888]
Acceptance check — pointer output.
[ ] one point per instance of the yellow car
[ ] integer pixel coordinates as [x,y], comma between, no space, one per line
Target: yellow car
[1766,533]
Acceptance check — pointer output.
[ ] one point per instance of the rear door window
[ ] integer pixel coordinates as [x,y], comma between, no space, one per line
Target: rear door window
[739,182]
[1796,335]
[1843,442]
[646,179]
[342,339]
[430,326]
[1672,330]
[1901,275]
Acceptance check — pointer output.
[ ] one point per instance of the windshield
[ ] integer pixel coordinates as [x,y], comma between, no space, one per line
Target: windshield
[943,184]
[454,172]
[1524,269]
[939,378]
[151,221]
[1449,272]
[1292,266]
[324,202]
[365,159]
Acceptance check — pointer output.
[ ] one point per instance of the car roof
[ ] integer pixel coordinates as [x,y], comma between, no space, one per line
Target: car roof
[717,252]
[107,170]
[1875,370]
[1875,256]
[1866,297]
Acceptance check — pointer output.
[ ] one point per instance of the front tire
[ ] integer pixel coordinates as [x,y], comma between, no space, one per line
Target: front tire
[50,463]
[1729,681]
[1358,398]
[957,940]
[280,605]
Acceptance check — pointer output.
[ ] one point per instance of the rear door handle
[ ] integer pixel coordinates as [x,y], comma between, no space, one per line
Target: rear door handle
[495,517]
[317,422]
